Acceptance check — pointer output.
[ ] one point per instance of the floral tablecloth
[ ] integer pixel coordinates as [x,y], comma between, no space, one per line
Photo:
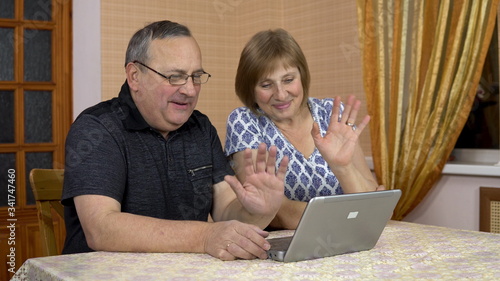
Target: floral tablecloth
[405,251]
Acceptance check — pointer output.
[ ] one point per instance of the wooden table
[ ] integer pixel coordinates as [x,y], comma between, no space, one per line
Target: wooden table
[405,251]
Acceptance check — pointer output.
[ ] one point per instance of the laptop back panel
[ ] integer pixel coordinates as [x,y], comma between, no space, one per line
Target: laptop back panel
[334,225]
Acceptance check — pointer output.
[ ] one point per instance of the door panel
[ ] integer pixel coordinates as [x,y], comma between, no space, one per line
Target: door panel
[35,115]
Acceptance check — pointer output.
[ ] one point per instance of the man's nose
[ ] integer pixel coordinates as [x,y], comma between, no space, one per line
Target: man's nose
[189,88]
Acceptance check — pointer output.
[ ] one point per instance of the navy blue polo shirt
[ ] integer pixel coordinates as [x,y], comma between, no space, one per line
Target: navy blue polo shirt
[112,151]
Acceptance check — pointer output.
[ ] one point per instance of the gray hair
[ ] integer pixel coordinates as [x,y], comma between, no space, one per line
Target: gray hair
[138,46]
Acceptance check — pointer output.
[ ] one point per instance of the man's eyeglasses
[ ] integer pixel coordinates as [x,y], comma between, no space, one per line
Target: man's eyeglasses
[181,79]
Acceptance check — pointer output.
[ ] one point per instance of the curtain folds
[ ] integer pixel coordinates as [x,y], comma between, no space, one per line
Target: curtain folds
[422,61]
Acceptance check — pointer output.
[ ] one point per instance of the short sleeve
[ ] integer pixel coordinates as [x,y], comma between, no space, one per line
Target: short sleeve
[94,162]
[242,131]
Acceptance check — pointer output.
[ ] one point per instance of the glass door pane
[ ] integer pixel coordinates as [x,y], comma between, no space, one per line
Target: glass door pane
[37,55]
[38,10]
[37,116]
[7,117]
[6,53]
[7,9]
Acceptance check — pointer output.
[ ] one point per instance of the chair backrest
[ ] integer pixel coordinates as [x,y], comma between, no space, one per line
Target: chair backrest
[47,185]
[489,209]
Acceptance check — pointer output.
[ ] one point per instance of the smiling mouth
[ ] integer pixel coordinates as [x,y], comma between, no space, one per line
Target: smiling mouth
[282,106]
[178,104]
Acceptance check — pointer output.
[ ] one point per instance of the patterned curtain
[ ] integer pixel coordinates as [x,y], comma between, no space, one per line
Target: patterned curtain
[422,61]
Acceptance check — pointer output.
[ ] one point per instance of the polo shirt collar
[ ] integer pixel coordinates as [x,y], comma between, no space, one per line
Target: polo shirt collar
[133,120]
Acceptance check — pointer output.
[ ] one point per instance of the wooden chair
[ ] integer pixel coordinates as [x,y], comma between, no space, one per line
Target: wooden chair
[47,187]
[489,209]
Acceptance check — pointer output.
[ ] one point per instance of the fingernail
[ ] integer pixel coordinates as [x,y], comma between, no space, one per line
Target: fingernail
[267,246]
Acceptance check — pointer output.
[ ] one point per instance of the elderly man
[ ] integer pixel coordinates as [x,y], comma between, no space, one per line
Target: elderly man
[145,171]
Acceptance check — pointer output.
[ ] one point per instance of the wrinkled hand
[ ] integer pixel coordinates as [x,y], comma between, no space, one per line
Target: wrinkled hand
[339,143]
[229,240]
[263,188]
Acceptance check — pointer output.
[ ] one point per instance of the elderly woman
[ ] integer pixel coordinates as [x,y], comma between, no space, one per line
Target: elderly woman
[319,136]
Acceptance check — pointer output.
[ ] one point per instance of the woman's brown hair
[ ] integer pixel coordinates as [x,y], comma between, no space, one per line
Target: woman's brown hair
[265,52]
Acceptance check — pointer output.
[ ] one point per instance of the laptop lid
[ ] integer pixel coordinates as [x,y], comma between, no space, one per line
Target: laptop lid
[334,225]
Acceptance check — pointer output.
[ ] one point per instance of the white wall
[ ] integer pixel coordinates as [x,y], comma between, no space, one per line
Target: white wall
[86,54]
[453,202]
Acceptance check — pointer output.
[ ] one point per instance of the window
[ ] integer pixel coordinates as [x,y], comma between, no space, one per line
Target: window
[479,140]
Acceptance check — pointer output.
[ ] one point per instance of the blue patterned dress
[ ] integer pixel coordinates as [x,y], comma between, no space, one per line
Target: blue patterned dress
[306,177]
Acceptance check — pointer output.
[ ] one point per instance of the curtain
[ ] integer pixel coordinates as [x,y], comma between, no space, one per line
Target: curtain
[422,61]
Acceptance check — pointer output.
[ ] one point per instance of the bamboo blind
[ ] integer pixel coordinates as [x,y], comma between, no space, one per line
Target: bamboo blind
[326,31]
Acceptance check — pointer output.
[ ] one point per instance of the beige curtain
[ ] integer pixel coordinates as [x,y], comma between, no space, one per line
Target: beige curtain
[422,61]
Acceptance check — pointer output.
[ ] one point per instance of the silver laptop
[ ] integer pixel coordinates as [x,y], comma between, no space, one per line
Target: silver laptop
[334,225]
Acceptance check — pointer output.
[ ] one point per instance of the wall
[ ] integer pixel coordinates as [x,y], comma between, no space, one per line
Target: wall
[327,33]
[86,54]
[223,27]
[453,202]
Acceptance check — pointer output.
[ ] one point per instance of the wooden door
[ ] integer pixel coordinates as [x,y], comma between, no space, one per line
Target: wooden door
[35,115]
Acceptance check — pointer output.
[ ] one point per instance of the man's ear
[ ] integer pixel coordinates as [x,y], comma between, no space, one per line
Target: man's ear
[132,72]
